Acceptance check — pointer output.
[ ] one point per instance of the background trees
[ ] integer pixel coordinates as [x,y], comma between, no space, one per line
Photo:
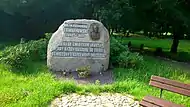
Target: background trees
[32,18]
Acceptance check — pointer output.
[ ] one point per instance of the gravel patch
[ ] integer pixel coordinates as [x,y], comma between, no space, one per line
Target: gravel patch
[102,100]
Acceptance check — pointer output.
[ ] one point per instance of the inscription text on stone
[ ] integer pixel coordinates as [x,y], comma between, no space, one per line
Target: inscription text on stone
[80,49]
[75,30]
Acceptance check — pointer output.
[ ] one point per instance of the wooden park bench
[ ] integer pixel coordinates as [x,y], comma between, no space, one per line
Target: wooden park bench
[165,84]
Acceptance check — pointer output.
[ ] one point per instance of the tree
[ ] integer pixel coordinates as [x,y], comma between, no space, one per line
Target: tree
[152,16]
[40,16]
[177,16]
[167,15]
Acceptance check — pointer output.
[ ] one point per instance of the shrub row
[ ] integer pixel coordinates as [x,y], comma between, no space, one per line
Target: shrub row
[121,56]
[17,56]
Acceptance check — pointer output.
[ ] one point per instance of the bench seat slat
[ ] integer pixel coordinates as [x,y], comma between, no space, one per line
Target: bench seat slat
[147,104]
[170,88]
[160,102]
[165,84]
[170,82]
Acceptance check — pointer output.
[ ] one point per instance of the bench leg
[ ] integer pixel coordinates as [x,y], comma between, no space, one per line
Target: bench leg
[161,93]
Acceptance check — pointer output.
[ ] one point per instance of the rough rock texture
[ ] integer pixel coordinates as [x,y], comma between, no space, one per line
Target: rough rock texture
[102,100]
[79,43]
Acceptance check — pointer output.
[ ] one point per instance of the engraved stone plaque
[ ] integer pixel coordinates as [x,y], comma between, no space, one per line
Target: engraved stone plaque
[79,43]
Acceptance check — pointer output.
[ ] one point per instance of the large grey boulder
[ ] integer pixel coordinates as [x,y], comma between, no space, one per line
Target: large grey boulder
[79,43]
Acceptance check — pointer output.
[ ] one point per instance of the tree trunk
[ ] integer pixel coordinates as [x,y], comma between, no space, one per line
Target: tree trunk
[175,44]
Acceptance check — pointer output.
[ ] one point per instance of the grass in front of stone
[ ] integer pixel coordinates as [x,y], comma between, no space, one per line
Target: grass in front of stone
[30,88]
[37,87]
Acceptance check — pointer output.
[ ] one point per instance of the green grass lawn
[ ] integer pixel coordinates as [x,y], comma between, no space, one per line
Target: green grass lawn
[36,86]
[141,78]
[184,45]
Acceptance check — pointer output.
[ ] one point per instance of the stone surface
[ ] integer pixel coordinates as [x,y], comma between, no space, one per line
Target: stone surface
[102,100]
[79,43]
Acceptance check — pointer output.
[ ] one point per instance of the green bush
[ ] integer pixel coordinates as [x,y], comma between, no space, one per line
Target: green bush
[129,60]
[116,49]
[38,49]
[16,56]
[120,55]
[48,36]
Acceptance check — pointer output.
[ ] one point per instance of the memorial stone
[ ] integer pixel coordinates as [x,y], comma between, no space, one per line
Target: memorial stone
[79,43]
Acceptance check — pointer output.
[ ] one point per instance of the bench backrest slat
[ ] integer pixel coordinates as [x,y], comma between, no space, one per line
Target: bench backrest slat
[170,85]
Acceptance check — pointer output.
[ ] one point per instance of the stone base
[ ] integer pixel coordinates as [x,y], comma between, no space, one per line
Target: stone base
[104,78]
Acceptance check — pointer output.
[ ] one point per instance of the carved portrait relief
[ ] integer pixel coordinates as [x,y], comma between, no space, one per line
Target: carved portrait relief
[94,32]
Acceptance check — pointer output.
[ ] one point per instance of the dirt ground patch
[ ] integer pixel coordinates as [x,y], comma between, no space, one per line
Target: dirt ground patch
[104,78]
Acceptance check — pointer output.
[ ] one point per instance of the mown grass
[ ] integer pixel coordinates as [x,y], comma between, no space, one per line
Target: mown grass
[165,44]
[36,86]
[141,77]
[30,89]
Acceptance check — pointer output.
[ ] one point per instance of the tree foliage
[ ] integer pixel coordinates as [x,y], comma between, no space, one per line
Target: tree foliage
[154,17]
